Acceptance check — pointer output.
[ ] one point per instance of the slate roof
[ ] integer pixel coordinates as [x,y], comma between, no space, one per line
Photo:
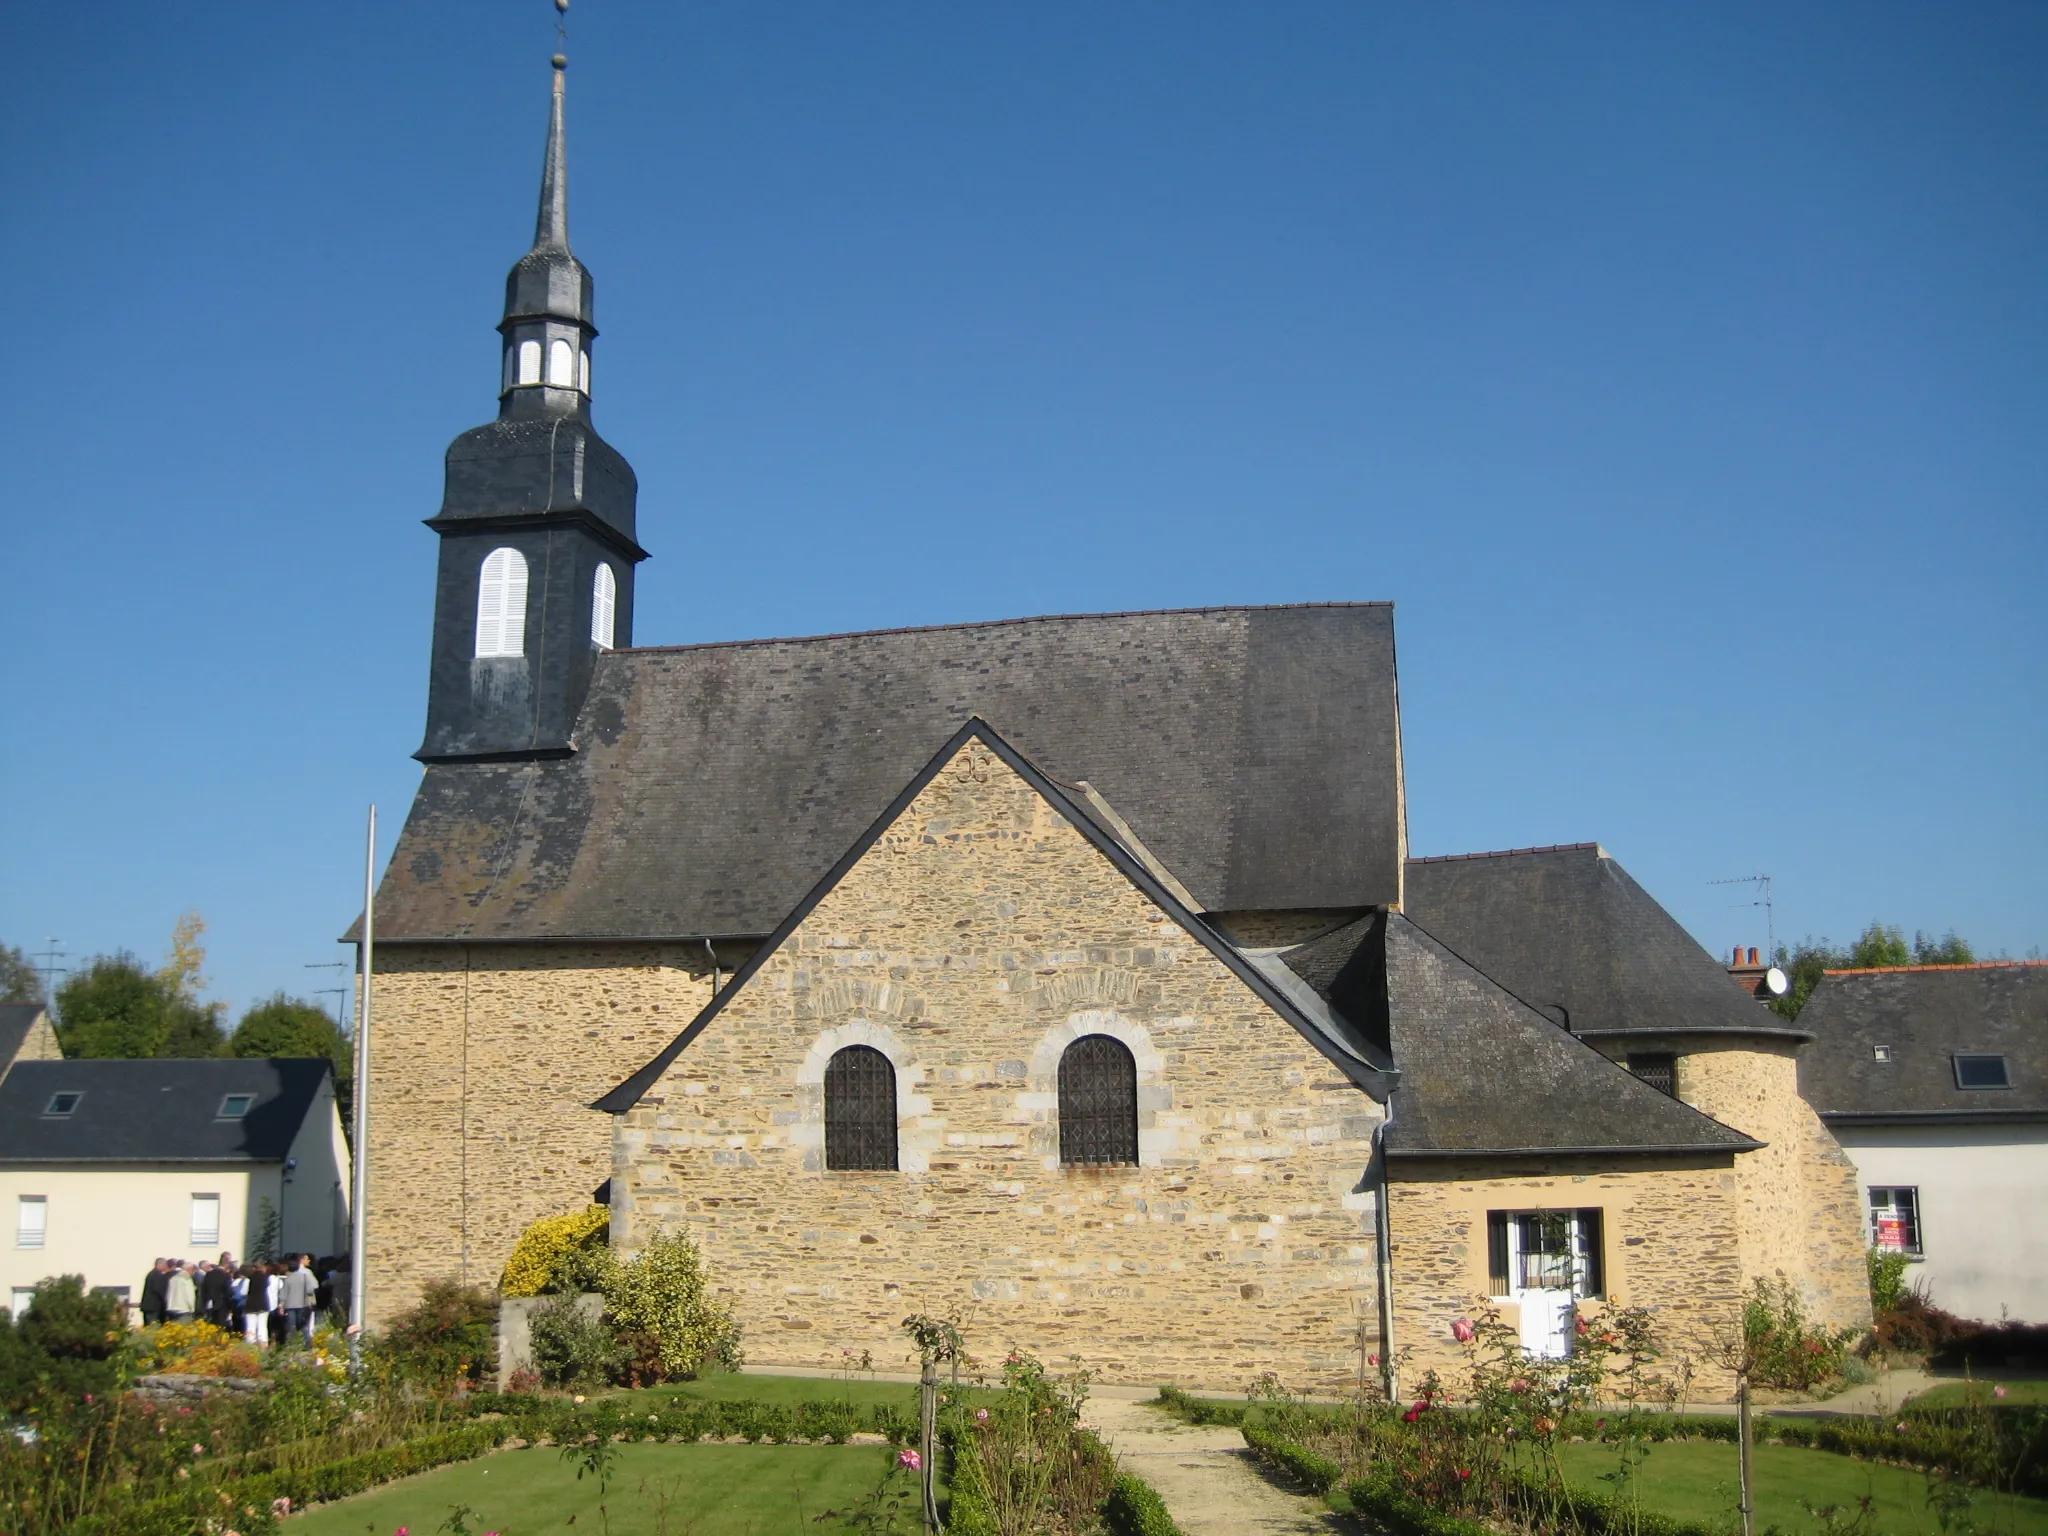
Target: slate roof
[1340,1045]
[16,1020]
[155,1111]
[1253,750]
[1480,1070]
[1566,930]
[1925,1015]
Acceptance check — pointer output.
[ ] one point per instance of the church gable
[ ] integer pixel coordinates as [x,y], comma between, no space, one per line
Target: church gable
[986,1066]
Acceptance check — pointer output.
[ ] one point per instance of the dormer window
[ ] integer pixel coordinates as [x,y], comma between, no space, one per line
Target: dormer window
[62,1104]
[529,362]
[235,1106]
[1880,1053]
[561,364]
[604,607]
[501,605]
[1981,1071]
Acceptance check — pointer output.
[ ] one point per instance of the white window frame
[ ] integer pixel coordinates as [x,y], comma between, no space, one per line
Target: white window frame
[205,1236]
[32,1221]
[604,606]
[501,604]
[248,1101]
[1915,1245]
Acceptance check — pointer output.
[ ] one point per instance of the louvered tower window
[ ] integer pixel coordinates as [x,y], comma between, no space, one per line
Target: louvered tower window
[860,1109]
[1098,1102]
[604,606]
[501,605]
[561,364]
[529,362]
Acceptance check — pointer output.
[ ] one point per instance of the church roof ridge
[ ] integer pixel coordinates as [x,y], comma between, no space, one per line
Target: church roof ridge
[1026,618]
[1506,853]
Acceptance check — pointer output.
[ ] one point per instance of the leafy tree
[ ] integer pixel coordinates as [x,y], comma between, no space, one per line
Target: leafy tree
[20,981]
[291,1026]
[1880,945]
[115,1008]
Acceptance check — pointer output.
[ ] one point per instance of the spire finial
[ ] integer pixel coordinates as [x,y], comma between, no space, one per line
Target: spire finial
[551,229]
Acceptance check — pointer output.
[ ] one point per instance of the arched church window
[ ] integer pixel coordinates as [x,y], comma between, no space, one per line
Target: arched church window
[529,362]
[604,604]
[561,364]
[1098,1102]
[860,1109]
[501,605]
[586,370]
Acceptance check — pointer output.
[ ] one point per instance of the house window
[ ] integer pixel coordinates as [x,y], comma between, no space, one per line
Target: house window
[1546,1262]
[1880,1053]
[1660,1072]
[235,1106]
[1895,1219]
[501,605]
[860,1109]
[604,606]
[529,362]
[1098,1102]
[561,364]
[62,1103]
[24,1298]
[1981,1072]
[31,1221]
[205,1220]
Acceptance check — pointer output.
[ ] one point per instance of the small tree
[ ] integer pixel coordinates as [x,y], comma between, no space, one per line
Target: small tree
[447,1340]
[20,981]
[659,1305]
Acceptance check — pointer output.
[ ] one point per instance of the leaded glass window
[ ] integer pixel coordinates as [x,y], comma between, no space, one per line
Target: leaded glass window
[1098,1102]
[860,1109]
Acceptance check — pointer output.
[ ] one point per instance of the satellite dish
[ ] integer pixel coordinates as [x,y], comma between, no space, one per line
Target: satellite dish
[1776,982]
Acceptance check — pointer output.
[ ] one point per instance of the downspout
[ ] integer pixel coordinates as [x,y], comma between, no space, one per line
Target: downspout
[1390,1374]
[712,955]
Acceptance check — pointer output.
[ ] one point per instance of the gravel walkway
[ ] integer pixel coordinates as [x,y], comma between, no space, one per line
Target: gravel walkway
[1204,1473]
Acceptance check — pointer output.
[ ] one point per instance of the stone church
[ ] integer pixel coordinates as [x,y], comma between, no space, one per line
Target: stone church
[1069,975]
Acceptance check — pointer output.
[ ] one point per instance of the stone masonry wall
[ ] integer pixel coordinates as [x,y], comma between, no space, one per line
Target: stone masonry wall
[970,945]
[1670,1241]
[483,1061]
[1801,1209]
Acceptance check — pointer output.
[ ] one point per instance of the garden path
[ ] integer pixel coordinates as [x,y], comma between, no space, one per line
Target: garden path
[1204,1473]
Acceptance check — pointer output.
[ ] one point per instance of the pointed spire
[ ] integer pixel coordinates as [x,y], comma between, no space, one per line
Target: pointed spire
[551,229]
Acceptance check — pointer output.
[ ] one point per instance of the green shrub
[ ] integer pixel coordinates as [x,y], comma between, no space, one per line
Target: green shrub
[1399,1513]
[1134,1508]
[573,1348]
[66,1343]
[1887,1278]
[1784,1349]
[1317,1473]
[660,1308]
[448,1338]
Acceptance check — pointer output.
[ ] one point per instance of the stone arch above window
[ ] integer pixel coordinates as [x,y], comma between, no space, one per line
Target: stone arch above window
[1098,1103]
[860,1110]
[913,1141]
[1153,1093]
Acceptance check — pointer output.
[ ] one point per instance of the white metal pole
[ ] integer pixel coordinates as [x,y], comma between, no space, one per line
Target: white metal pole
[359,1203]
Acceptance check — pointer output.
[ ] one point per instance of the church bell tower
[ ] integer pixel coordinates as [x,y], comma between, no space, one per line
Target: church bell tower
[537,522]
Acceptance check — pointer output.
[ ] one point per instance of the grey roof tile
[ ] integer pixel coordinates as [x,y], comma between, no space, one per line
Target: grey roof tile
[156,1110]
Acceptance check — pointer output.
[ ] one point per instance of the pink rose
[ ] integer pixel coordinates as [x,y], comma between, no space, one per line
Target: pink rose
[1463,1331]
[1995,1392]
[904,1458]
[1372,1359]
[981,1415]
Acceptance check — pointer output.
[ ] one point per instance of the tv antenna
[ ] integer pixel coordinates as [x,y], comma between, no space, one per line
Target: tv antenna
[337,993]
[1762,884]
[52,953]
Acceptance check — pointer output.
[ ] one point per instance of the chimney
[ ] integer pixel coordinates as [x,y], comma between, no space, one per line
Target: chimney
[1751,972]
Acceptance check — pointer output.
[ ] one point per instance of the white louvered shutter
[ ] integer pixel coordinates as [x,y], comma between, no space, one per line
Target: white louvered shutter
[205,1220]
[561,364]
[501,605]
[529,362]
[604,602]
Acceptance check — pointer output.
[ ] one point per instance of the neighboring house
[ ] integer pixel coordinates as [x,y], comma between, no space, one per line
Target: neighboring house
[1935,1081]
[26,1035]
[1066,974]
[106,1166]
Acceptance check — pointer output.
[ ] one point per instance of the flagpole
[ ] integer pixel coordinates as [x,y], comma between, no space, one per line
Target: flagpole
[359,1200]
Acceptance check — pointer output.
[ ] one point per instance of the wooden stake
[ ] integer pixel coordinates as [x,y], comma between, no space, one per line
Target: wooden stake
[1747,1444]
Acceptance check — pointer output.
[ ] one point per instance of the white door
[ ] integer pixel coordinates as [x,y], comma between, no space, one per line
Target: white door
[1542,1259]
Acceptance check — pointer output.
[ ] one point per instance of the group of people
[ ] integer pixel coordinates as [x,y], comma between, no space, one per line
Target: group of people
[267,1303]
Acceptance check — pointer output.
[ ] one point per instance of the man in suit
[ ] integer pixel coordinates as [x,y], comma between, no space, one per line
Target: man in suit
[154,1285]
[216,1294]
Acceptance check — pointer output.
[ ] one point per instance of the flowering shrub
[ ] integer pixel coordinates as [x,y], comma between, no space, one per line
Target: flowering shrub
[1784,1350]
[1025,1467]
[559,1253]
[661,1309]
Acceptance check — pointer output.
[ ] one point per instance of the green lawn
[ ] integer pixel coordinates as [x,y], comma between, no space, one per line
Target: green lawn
[1696,1480]
[1960,1394]
[713,1490]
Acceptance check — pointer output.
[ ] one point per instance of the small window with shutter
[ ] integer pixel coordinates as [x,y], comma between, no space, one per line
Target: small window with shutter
[561,364]
[604,604]
[1098,1102]
[501,605]
[205,1220]
[529,362]
[860,1110]
[586,370]
[31,1221]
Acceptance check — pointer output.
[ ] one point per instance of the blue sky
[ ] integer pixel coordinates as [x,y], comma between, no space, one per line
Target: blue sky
[1679,371]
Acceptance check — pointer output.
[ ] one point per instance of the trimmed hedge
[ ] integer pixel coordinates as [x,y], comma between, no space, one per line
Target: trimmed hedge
[1318,1473]
[1202,1410]
[1134,1508]
[1399,1513]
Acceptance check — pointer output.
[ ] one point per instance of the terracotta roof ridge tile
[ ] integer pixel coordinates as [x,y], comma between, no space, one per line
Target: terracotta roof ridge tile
[1895,970]
[1029,618]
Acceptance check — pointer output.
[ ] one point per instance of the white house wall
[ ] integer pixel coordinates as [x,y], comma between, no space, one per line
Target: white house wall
[111,1224]
[1983,1192]
[314,1213]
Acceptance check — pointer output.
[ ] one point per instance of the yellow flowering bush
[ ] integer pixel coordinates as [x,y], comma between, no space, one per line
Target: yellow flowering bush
[553,1247]
[196,1348]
